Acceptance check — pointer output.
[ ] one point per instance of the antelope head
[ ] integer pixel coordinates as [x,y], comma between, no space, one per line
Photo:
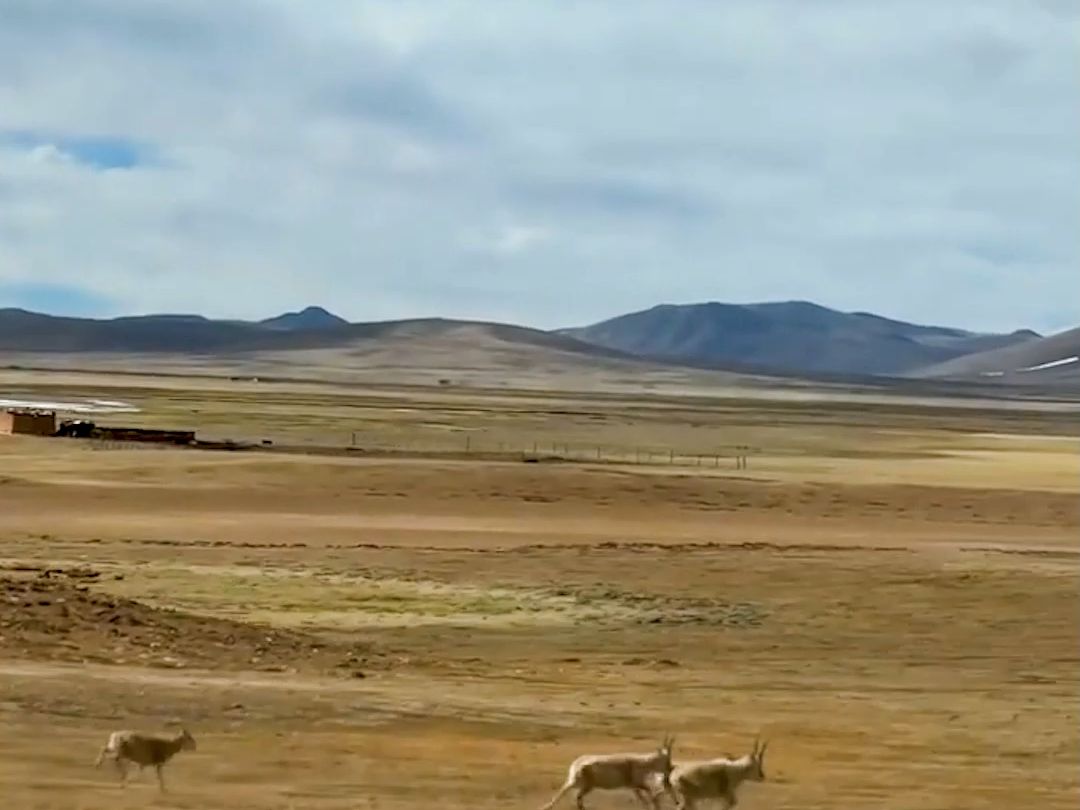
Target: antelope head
[757,761]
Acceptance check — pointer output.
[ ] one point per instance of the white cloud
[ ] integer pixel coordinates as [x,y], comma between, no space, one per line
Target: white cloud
[506,240]
[517,238]
[412,158]
[913,159]
[48,153]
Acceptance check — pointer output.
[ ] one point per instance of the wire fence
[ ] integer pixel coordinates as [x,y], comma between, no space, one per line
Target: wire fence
[486,447]
[729,456]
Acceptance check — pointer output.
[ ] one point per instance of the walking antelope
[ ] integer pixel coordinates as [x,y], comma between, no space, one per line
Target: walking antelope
[143,750]
[618,771]
[716,778]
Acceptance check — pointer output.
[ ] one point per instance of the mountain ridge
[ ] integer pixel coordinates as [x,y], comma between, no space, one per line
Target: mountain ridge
[780,339]
[24,331]
[310,317]
[1053,357]
[789,336]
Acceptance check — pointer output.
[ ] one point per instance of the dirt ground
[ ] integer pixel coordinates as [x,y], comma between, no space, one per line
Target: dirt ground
[891,594]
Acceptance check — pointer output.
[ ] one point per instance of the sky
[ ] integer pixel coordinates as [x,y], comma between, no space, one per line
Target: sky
[548,164]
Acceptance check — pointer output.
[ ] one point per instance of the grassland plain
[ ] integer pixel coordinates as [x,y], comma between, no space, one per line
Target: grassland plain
[890,592]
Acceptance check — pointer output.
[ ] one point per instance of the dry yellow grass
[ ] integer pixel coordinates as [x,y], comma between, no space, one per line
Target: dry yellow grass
[890,593]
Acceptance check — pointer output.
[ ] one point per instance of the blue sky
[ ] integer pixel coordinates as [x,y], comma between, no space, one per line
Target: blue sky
[99,152]
[546,164]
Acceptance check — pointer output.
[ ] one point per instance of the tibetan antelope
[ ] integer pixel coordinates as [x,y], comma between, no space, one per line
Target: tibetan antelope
[716,778]
[618,771]
[143,750]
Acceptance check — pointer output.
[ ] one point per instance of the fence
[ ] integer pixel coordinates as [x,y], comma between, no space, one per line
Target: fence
[730,456]
[485,447]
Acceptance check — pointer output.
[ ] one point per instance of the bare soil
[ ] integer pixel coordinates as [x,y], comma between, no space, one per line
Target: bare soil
[896,607]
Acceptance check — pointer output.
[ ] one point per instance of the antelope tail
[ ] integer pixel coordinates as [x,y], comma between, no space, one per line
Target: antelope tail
[562,792]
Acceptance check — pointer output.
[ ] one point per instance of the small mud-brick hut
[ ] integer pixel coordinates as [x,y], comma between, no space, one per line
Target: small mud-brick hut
[18,421]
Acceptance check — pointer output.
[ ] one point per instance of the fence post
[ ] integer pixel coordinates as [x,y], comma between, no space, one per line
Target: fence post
[468,442]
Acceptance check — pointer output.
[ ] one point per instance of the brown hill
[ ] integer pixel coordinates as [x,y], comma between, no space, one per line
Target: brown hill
[316,345]
[313,328]
[420,351]
[1050,360]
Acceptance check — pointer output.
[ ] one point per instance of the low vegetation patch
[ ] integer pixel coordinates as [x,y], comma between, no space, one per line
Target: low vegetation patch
[343,602]
[51,615]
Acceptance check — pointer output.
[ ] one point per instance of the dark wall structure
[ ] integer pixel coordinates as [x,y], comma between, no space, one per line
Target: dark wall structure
[15,421]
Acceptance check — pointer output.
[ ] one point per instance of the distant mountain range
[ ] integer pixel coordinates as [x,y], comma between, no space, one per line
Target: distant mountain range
[307,318]
[1044,360]
[793,338]
[311,328]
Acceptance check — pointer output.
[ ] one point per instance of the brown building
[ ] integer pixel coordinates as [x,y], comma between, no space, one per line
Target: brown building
[27,423]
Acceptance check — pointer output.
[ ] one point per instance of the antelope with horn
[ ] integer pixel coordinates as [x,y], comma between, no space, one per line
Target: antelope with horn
[716,778]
